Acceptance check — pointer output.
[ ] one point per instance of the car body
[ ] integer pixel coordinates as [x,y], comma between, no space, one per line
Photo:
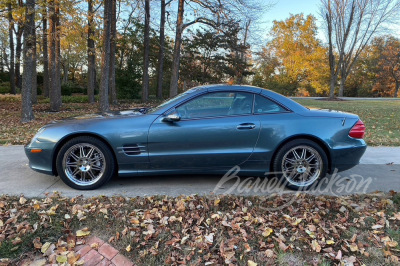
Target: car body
[205,130]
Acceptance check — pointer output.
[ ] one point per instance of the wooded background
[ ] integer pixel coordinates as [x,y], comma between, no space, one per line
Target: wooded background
[113,50]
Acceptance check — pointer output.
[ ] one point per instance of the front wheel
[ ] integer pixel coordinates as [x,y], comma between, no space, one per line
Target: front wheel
[85,163]
[300,163]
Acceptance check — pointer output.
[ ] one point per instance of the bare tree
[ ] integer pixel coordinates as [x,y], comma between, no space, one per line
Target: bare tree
[146,59]
[12,56]
[180,27]
[105,57]
[29,52]
[350,25]
[211,13]
[91,53]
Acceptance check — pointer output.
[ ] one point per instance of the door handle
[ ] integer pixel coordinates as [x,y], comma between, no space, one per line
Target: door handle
[246,126]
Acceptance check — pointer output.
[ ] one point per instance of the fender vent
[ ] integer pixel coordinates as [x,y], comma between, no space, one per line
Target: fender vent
[132,149]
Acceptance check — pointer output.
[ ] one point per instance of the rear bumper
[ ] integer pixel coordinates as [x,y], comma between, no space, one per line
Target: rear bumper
[346,158]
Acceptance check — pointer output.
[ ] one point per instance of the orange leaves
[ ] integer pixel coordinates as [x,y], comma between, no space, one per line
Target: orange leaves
[209,230]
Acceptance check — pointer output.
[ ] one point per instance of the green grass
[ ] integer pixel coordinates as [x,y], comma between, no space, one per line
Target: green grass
[382,118]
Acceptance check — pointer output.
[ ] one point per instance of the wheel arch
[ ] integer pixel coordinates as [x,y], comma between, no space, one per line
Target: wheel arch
[80,134]
[315,139]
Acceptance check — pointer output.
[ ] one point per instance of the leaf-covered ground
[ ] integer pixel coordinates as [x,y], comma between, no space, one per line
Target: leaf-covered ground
[382,118]
[13,132]
[207,230]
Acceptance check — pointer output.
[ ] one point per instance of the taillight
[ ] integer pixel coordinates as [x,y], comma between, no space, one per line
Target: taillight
[358,130]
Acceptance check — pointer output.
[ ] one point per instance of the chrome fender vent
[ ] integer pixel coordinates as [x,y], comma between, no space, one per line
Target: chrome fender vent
[132,149]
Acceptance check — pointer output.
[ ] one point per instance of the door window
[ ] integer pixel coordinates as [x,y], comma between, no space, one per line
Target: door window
[264,105]
[217,104]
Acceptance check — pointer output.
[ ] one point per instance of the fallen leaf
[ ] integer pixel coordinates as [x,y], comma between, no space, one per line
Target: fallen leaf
[391,244]
[83,232]
[251,263]
[216,202]
[22,200]
[269,253]
[353,247]
[61,259]
[339,255]
[315,246]
[267,232]
[209,238]
[128,248]
[45,247]
[330,242]
[377,226]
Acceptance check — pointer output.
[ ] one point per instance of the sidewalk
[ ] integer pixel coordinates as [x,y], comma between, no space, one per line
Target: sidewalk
[381,155]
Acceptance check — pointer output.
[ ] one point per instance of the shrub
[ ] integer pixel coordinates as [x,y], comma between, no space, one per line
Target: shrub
[5,87]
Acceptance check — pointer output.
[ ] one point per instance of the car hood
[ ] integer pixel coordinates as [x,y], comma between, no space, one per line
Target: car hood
[107,115]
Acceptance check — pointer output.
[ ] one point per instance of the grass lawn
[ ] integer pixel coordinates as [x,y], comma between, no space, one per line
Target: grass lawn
[206,230]
[382,118]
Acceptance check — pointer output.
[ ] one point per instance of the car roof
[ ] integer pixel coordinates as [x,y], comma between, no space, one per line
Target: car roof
[288,103]
[224,87]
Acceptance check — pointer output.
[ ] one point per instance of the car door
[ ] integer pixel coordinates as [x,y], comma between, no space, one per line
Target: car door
[216,129]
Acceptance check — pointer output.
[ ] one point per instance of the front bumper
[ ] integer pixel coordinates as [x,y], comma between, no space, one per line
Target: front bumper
[41,162]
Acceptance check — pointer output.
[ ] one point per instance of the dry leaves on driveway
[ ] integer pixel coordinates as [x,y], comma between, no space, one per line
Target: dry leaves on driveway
[208,230]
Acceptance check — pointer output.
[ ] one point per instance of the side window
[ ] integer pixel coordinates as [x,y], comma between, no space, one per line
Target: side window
[217,104]
[263,105]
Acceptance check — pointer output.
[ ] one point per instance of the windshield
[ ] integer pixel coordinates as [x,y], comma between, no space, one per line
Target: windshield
[168,101]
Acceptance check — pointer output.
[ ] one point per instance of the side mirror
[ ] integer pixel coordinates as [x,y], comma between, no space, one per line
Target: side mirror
[171,118]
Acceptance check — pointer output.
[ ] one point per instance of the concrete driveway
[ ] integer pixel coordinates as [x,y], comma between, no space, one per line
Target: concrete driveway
[379,171]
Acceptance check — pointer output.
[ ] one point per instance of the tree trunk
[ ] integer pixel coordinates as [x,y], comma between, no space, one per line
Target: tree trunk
[18,50]
[243,58]
[396,91]
[34,79]
[29,62]
[105,58]
[54,67]
[173,90]
[145,87]
[161,52]
[58,51]
[12,56]
[112,87]
[343,78]
[45,54]
[65,69]
[91,54]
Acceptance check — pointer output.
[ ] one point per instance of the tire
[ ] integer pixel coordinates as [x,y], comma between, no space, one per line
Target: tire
[300,163]
[85,163]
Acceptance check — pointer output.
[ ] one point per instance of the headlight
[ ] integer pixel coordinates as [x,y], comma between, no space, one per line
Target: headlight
[37,135]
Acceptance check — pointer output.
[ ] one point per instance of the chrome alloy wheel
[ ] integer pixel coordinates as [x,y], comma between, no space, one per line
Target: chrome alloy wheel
[302,166]
[84,164]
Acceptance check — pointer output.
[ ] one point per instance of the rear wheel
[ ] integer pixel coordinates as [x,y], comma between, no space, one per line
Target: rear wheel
[85,163]
[300,163]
